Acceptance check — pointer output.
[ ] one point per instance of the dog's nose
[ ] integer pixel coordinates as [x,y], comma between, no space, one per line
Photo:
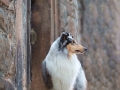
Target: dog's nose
[85,49]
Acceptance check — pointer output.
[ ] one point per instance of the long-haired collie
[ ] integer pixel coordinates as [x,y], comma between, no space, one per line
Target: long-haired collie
[61,68]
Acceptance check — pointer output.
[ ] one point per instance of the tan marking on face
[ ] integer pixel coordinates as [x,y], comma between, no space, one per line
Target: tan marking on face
[75,48]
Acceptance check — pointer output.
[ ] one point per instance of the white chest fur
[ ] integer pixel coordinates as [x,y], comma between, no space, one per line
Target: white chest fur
[63,70]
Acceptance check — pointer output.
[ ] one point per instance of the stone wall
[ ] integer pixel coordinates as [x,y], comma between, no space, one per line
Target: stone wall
[7,43]
[14,44]
[101,34]
[95,24]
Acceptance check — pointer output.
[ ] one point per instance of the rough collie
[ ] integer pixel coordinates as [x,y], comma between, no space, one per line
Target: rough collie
[61,68]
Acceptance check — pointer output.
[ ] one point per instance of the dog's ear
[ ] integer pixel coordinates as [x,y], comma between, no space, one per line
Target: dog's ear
[63,39]
[64,36]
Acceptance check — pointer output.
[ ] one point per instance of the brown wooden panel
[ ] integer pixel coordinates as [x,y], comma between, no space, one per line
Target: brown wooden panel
[41,23]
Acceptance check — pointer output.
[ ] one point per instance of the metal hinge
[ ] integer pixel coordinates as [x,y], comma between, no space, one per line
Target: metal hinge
[33,36]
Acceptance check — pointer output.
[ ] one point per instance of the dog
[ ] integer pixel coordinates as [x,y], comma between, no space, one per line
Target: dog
[61,69]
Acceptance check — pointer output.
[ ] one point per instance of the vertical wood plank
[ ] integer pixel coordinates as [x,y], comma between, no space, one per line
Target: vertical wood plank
[21,60]
[41,23]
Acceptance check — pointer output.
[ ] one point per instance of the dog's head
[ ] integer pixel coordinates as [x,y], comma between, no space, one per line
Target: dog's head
[67,41]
